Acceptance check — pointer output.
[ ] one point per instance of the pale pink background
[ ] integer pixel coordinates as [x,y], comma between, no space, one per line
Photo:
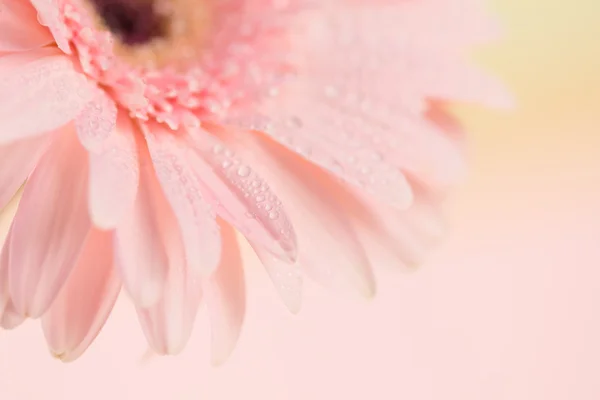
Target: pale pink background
[508,308]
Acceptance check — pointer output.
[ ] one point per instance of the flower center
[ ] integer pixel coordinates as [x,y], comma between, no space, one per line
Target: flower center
[134,22]
[180,62]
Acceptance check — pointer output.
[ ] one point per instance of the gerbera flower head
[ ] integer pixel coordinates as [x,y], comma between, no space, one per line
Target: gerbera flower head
[147,130]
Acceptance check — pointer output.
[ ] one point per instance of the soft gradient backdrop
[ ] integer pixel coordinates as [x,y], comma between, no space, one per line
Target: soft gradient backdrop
[508,308]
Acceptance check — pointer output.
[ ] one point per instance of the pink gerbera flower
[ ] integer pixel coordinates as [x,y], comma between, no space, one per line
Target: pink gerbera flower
[148,129]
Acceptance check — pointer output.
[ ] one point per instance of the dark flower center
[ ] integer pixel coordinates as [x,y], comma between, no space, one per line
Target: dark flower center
[134,22]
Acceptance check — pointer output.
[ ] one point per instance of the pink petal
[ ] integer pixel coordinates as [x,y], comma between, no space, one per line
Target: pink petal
[4,259]
[226,298]
[397,236]
[241,197]
[46,93]
[426,153]
[96,123]
[196,218]
[50,226]
[11,318]
[20,28]
[141,246]
[341,144]
[328,247]
[85,301]
[114,167]
[11,63]
[378,145]
[17,160]
[244,199]
[4,291]
[7,309]
[50,16]
[168,324]
[438,113]
[286,278]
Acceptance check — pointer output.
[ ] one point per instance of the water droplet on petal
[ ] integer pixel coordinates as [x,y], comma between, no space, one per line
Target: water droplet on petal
[218,148]
[243,171]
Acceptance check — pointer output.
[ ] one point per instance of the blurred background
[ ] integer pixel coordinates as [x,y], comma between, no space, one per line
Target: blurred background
[508,308]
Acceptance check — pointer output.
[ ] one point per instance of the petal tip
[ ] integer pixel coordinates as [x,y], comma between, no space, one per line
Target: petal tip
[220,356]
[103,222]
[369,291]
[29,307]
[365,286]
[294,307]
[11,319]
[147,357]
[63,356]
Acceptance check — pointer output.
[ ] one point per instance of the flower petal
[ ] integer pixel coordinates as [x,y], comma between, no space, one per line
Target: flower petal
[49,15]
[196,218]
[286,278]
[11,62]
[85,301]
[394,237]
[140,247]
[17,161]
[20,28]
[6,305]
[225,294]
[168,324]
[326,137]
[4,259]
[50,226]
[427,154]
[328,247]
[114,167]
[241,197]
[48,88]
[96,123]
[371,145]
[11,318]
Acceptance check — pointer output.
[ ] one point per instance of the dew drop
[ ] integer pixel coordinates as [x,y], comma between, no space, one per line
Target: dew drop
[218,149]
[243,171]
